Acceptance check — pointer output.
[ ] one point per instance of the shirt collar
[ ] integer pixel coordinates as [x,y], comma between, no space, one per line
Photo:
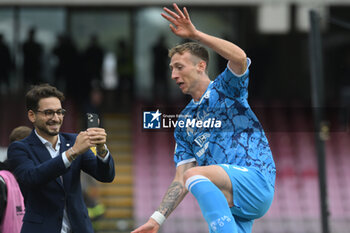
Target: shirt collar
[204,96]
[46,142]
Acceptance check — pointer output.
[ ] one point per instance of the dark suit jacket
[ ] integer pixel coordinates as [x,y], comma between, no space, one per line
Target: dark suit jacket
[45,196]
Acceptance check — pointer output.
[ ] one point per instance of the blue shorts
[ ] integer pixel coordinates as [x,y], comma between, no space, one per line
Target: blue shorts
[252,195]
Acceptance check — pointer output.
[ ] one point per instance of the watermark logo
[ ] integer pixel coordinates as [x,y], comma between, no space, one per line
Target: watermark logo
[159,120]
[273,119]
[151,120]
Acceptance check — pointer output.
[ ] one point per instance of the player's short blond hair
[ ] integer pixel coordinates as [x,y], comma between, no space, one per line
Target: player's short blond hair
[193,48]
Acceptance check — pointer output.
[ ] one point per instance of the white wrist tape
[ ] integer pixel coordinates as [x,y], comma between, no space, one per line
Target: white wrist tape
[158,217]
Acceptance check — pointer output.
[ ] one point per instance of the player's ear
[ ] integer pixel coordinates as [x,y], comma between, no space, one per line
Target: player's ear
[202,65]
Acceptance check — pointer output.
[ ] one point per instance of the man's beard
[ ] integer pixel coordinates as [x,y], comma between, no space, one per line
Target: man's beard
[46,130]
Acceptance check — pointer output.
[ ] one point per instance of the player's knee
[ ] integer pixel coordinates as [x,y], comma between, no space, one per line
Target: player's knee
[191,172]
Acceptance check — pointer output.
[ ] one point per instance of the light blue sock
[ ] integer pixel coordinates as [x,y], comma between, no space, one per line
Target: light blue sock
[213,204]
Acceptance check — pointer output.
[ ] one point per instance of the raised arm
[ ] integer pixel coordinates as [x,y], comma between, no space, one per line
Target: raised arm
[182,26]
[174,195]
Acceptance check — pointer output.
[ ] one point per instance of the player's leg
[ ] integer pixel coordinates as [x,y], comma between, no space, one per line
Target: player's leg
[206,184]
[245,189]
[217,175]
[252,195]
[244,225]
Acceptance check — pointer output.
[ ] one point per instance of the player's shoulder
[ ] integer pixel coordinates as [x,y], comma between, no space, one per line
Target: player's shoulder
[229,73]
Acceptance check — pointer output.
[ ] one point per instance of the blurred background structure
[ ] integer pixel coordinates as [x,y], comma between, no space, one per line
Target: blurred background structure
[109,57]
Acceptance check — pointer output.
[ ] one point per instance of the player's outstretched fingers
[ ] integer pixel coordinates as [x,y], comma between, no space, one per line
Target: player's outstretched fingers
[178,10]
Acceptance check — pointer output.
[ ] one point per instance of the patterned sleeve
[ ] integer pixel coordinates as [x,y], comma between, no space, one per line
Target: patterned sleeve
[183,152]
[233,85]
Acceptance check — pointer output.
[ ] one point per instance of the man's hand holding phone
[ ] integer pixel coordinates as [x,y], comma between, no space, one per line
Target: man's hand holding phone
[92,137]
[97,136]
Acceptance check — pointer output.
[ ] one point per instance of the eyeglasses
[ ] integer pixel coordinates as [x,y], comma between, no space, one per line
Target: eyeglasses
[50,113]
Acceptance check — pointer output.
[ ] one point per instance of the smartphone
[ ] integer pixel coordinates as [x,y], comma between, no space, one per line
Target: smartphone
[92,120]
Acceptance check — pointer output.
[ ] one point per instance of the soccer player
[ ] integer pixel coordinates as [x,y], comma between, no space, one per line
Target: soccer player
[227,165]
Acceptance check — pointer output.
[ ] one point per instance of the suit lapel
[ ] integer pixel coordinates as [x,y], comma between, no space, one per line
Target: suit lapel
[40,151]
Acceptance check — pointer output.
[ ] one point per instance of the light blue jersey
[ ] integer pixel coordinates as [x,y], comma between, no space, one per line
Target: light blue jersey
[221,128]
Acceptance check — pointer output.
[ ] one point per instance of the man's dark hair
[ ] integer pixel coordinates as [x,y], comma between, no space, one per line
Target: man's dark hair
[38,92]
[194,48]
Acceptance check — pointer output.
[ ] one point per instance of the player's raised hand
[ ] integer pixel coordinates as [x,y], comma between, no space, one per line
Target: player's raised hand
[181,22]
[149,227]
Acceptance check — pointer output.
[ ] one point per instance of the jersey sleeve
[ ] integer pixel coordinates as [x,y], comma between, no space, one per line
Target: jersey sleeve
[233,85]
[183,152]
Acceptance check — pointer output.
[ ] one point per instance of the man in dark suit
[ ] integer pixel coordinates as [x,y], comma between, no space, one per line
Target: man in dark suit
[48,163]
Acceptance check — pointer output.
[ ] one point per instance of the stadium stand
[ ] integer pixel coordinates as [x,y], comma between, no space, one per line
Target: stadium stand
[117,197]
